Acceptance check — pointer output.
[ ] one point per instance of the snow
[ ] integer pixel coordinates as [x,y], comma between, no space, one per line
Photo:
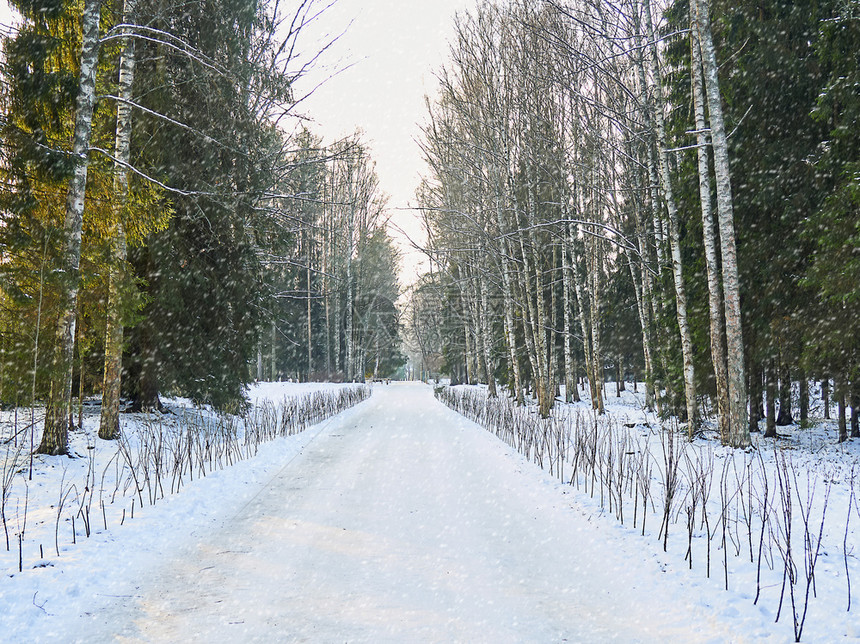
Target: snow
[822,480]
[397,520]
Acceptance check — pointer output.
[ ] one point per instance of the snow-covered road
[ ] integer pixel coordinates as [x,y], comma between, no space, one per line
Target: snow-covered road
[403,522]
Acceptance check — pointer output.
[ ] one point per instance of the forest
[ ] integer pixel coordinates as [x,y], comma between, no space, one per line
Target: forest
[667,193]
[170,224]
[663,193]
[637,313]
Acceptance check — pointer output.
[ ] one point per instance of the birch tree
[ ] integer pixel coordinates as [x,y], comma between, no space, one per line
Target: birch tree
[109,421]
[738,429]
[715,294]
[58,412]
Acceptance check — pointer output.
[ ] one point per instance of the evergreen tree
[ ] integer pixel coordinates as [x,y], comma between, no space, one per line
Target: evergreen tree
[832,347]
[202,274]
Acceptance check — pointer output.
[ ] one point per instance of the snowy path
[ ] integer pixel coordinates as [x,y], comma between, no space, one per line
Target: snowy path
[403,522]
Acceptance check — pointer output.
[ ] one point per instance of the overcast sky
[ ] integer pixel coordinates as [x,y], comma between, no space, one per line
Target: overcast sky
[394,47]
[390,50]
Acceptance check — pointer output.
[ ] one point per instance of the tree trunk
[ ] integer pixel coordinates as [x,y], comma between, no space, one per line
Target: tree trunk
[520,290]
[55,437]
[770,393]
[467,355]
[595,288]
[310,322]
[510,328]
[259,360]
[715,294]
[855,409]
[273,353]
[839,394]
[804,397]
[337,334]
[784,417]
[552,341]
[825,397]
[643,307]
[349,367]
[540,323]
[81,371]
[739,436]
[674,233]
[567,304]
[326,285]
[755,397]
[486,331]
[109,421]
[652,290]
[584,323]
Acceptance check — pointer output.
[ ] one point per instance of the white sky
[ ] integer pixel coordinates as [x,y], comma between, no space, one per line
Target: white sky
[393,47]
[5,16]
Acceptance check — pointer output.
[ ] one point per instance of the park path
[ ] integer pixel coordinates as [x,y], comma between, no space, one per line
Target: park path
[403,522]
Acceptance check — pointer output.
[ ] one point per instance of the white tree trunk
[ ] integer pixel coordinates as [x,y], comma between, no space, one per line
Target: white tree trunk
[486,333]
[109,421]
[739,430]
[259,361]
[273,356]
[510,328]
[567,304]
[715,294]
[310,324]
[583,308]
[55,435]
[350,306]
[674,234]
[595,286]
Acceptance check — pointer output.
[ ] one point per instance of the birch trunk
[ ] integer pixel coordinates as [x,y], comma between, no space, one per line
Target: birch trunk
[674,234]
[325,290]
[109,421]
[855,409]
[569,375]
[486,341]
[583,307]
[536,300]
[654,301]
[510,328]
[310,326]
[259,360]
[273,355]
[56,433]
[521,286]
[350,349]
[552,350]
[804,397]
[467,355]
[715,293]
[645,314]
[595,293]
[469,295]
[739,431]
[641,309]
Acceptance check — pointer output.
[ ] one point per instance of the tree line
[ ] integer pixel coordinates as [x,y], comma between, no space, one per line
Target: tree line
[169,225]
[667,191]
